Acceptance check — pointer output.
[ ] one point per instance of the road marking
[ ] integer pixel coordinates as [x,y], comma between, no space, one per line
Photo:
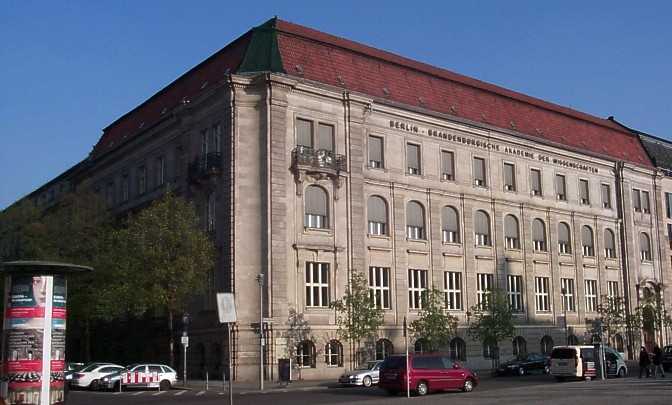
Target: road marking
[177,394]
[138,393]
[199,393]
[158,393]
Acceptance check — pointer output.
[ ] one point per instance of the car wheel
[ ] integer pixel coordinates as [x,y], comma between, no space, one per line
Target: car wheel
[621,373]
[468,385]
[422,388]
[547,370]
[164,385]
[94,385]
[367,382]
[521,371]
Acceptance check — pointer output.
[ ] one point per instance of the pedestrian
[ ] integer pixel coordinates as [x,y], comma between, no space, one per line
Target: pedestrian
[644,362]
[658,362]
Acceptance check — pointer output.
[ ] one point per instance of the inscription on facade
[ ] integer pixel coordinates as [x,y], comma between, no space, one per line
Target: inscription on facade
[509,150]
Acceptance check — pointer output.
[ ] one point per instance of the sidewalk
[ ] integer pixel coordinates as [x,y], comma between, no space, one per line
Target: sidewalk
[252,387]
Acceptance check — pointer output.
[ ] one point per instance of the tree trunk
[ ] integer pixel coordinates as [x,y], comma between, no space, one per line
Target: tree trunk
[87,340]
[171,339]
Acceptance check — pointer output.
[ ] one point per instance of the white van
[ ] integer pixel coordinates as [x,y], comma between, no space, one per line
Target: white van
[573,362]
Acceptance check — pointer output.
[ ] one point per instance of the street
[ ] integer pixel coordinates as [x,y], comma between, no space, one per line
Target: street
[501,391]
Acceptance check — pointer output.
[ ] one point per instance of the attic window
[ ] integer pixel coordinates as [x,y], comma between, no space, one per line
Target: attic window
[142,125]
[539,131]
[204,85]
[386,91]
[340,80]
[453,108]
[185,100]
[299,69]
[484,117]
[421,101]
[227,71]
[164,110]
[513,124]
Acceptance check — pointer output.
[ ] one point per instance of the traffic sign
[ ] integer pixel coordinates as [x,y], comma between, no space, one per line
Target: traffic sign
[226,308]
[185,341]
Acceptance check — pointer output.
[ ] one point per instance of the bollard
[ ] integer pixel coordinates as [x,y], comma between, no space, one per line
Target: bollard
[206,381]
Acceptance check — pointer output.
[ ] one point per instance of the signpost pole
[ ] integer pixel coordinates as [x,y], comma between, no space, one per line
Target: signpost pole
[226,309]
[228,332]
[408,372]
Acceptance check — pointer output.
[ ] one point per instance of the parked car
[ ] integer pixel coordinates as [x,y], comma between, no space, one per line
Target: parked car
[667,358]
[529,363]
[427,373]
[615,363]
[366,375]
[71,368]
[89,376]
[573,362]
[141,376]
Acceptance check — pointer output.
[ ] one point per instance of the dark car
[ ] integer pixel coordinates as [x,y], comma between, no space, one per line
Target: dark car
[667,358]
[428,372]
[529,363]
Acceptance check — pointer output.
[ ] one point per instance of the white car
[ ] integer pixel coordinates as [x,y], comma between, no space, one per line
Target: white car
[142,376]
[90,375]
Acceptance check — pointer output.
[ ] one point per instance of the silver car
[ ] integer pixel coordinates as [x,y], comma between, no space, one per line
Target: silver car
[366,375]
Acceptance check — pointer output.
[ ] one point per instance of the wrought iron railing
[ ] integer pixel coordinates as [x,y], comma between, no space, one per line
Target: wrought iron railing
[205,165]
[318,159]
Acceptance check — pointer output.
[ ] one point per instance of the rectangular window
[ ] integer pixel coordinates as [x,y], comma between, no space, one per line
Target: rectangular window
[636,200]
[535,182]
[452,286]
[484,285]
[567,291]
[591,295]
[413,159]
[142,180]
[514,287]
[317,284]
[304,133]
[668,204]
[110,194]
[584,192]
[606,196]
[669,235]
[417,284]
[447,165]
[124,188]
[160,170]
[541,295]
[211,213]
[612,289]
[217,138]
[646,208]
[509,177]
[560,187]
[205,144]
[325,137]
[479,172]
[379,286]
[376,155]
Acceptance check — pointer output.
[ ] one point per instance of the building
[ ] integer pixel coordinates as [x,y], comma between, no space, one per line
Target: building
[311,156]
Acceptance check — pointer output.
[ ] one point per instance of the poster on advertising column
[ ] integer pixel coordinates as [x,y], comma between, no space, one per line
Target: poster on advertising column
[59,314]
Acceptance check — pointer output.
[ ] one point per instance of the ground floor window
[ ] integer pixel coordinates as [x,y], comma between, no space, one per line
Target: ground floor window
[458,349]
[519,347]
[383,349]
[333,353]
[305,354]
[546,345]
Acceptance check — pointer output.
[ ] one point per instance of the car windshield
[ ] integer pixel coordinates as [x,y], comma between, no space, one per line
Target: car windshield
[91,367]
[368,366]
[394,362]
[563,353]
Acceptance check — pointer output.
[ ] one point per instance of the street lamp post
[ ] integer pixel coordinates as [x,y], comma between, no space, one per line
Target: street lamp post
[563,291]
[260,280]
[185,344]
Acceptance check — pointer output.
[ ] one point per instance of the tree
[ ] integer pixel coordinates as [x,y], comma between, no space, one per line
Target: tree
[357,314]
[492,321]
[22,233]
[611,312]
[298,331]
[434,325]
[169,257]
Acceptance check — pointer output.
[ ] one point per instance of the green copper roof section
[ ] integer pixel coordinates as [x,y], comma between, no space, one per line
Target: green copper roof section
[262,53]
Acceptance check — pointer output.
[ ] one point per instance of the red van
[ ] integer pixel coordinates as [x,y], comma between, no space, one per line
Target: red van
[428,372]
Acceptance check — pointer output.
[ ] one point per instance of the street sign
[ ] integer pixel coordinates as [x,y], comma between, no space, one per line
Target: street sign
[226,308]
[185,341]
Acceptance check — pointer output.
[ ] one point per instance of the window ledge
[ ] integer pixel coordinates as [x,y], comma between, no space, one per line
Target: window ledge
[381,237]
[452,244]
[590,266]
[325,231]
[544,313]
[423,241]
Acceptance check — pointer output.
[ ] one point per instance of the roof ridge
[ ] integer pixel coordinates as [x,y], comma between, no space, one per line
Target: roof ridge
[442,73]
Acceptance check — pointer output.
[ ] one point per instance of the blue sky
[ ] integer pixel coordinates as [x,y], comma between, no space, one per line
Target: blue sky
[68,69]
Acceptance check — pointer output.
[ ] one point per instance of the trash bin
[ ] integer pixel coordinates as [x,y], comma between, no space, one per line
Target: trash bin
[284,370]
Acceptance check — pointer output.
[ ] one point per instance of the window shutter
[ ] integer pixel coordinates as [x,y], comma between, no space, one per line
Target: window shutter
[449,219]
[377,210]
[316,201]
[587,236]
[609,241]
[509,175]
[560,184]
[482,223]
[511,226]
[375,148]
[644,244]
[538,231]
[325,137]
[414,215]
[583,189]
[447,162]
[636,201]
[606,195]
[563,233]
[645,200]
[304,133]
[536,179]
[479,169]
[413,156]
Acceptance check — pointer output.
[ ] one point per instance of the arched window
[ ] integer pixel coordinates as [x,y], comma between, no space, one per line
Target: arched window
[572,340]
[619,343]
[539,235]
[333,353]
[490,350]
[316,210]
[546,345]
[519,347]
[377,213]
[511,232]
[305,354]
[609,244]
[415,221]
[564,238]
[587,241]
[644,246]
[420,346]
[482,229]
[383,349]
[458,349]
[450,232]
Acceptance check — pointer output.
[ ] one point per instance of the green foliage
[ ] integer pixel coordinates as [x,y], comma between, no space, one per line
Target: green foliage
[611,312]
[493,321]
[357,316]
[298,330]
[434,325]
[22,233]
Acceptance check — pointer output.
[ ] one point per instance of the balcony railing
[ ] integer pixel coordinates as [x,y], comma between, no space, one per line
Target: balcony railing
[310,158]
[205,166]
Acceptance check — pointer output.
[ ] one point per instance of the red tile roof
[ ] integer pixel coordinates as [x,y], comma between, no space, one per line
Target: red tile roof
[343,63]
